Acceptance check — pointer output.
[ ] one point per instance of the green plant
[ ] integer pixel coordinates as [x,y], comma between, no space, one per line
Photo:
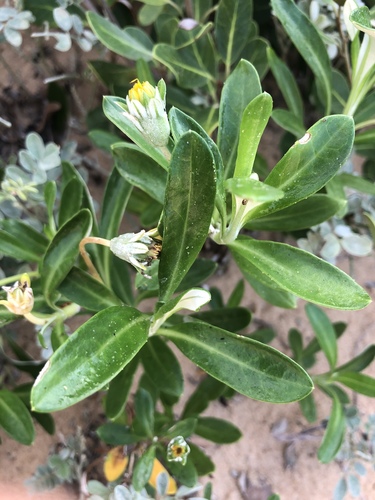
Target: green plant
[192,173]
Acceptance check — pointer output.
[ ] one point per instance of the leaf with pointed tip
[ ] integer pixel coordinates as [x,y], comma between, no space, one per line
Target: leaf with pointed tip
[251,368]
[63,251]
[91,357]
[15,418]
[189,203]
[296,271]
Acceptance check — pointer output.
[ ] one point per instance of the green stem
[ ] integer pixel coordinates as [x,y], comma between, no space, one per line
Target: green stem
[364,124]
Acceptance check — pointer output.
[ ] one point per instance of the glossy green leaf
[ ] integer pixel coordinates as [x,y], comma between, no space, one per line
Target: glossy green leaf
[310,163]
[91,357]
[113,108]
[111,74]
[70,172]
[119,389]
[358,183]
[162,366]
[334,433]
[149,13]
[255,51]
[254,121]
[143,423]
[208,390]
[324,332]
[251,368]
[184,427]
[232,28]
[360,362]
[58,335]
[116,434]
[217,430]
[295,343]
[237,294]
[103,139]
[302,215]
[143,468]
[233,319]
[197,274]
[140,170]
[298,272]
[121,280]
[288,121]
[193,63]
[253,190]
[308,408]
[269,290]
[203,464]
[184,474]
[240,88]
[63,251]
[182,123]
[358,382]
[309,44]
[189,203]
[50,191]
[116,196]
[15,418]
[21,241]
[131,42]
[71,199]
[80,287]
[286,83]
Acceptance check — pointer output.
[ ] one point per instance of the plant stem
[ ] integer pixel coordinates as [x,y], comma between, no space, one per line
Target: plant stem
[17,277]
[85,255]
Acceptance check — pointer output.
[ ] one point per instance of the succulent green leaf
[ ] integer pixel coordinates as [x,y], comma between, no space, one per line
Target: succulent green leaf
[208,390]
[119,389]
[310,163]
[189,203]
[309,44]
[308,408]
[132,43]
[71,200]
[143,423]
[269,290]
[286,83]
[288,121]
[334,433]
[232,28]
[15,418]
[302,215]
[91,357]
[254,121]
[358,382]
[203,464]
[217,430]
[140,170]
[240,88]
[233,319]
[162,366]
[143,468]
[360,362]
[63,251]
[21,241]
[324,332]
[80,287]
[298,272]
[251,368]
[116,434]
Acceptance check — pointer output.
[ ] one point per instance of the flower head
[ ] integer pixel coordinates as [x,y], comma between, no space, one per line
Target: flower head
[20,297]
[139,249]
[146,110]
[178,450]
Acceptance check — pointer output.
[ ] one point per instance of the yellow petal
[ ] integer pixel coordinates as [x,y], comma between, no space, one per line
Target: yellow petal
[157,469]
[115,464]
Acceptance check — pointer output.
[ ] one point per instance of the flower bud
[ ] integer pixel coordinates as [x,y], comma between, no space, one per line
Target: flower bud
[139,249]
[178,450]
[146,110]
[20,297]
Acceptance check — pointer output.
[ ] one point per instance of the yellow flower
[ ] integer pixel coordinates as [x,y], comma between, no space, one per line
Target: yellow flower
[20,297]
[145,108]
[141,91]
[115,464]
[157,469]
